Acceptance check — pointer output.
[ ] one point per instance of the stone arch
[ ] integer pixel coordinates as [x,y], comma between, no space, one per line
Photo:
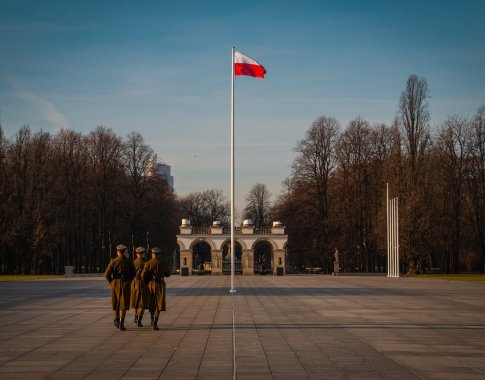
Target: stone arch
[270,241]
[201,256]
[228,240]
[181,245]
[263,256]
[200,240]
[226,257]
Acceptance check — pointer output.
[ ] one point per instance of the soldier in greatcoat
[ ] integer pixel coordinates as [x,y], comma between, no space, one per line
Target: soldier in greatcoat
[154,273]
[139,291]
[119,273]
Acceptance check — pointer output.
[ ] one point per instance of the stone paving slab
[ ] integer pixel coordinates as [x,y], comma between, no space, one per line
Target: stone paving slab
[291,327]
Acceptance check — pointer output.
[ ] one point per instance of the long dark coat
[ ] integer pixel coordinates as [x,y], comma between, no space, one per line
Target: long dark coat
[139,290]
[119,273]
[154,273]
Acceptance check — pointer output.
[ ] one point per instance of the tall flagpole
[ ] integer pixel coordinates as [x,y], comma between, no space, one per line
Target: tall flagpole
[233,290]
[397,239]
[387,230]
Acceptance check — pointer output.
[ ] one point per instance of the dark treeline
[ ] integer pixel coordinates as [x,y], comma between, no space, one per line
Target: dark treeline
[335,196]
[69,198]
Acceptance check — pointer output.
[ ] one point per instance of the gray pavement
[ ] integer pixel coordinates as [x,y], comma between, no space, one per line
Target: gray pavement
[291,327]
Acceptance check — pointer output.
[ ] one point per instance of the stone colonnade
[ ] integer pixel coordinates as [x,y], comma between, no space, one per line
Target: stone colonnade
[247,236]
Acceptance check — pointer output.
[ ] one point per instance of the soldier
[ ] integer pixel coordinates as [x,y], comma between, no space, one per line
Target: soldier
[139,291]
[154,272]
[119,273]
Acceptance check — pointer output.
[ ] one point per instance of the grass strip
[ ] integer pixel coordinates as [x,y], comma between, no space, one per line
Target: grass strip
[28,277]
[455,277]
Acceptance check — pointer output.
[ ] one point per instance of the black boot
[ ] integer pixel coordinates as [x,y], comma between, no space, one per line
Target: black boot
[122,325]
[116,322]
[136,319]
[139,322]
[155,321]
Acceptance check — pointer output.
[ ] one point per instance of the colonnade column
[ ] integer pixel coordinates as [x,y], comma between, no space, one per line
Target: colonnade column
[279,260]
[186,262]
[216,261]
[247,261]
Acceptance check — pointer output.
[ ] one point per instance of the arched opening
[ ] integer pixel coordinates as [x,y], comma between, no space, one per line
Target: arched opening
[226,258]
[201,258]
[263,257]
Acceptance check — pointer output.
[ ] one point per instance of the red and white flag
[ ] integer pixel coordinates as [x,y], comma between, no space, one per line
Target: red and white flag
[244,65]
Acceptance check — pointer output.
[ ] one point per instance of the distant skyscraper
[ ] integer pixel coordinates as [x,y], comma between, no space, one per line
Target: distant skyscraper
[164,171]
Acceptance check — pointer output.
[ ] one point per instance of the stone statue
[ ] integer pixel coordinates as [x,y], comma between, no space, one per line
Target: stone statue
[336,264]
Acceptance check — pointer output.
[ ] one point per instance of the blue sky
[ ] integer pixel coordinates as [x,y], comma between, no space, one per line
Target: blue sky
[163,69]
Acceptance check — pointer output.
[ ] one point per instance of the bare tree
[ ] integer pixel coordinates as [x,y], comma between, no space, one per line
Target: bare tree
[75,180]
[316,158]
[216,206]
[355,192]
[107,180]
[476,181]
[295,207]
[258,207]
[4,190]
[452,142]
[138,159]
[202,208]
[414,123]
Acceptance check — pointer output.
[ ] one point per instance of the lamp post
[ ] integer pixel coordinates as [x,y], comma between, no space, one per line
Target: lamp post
[109,242]
[358,258]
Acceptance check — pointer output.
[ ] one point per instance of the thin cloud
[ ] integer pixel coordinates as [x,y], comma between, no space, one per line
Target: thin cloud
[38,26]
[46,108]
[50,112]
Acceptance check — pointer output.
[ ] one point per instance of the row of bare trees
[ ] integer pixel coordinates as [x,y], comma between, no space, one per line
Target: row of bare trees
[69,198]
[203,208]
[335,196]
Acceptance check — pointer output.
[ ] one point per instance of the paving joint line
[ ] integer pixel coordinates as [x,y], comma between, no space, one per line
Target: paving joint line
[257,331]
[283,335]
[184,335]
[208,337]
[234,367]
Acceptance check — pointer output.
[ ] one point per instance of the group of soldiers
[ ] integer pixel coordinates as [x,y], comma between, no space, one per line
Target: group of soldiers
[137,283]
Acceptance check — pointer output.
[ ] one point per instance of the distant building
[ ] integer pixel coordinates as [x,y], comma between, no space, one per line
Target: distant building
[164,171]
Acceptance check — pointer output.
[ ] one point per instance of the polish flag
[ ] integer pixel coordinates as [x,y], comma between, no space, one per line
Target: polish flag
[244,65]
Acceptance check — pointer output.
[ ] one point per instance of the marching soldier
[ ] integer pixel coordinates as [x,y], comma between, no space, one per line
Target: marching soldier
[139,291]
[154,273]
[119,273]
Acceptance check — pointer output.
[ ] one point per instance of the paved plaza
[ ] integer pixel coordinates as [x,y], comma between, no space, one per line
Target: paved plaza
[291,327]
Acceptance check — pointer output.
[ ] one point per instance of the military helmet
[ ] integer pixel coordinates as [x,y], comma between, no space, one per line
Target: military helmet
[156,250]
[140,250]
[120,247]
